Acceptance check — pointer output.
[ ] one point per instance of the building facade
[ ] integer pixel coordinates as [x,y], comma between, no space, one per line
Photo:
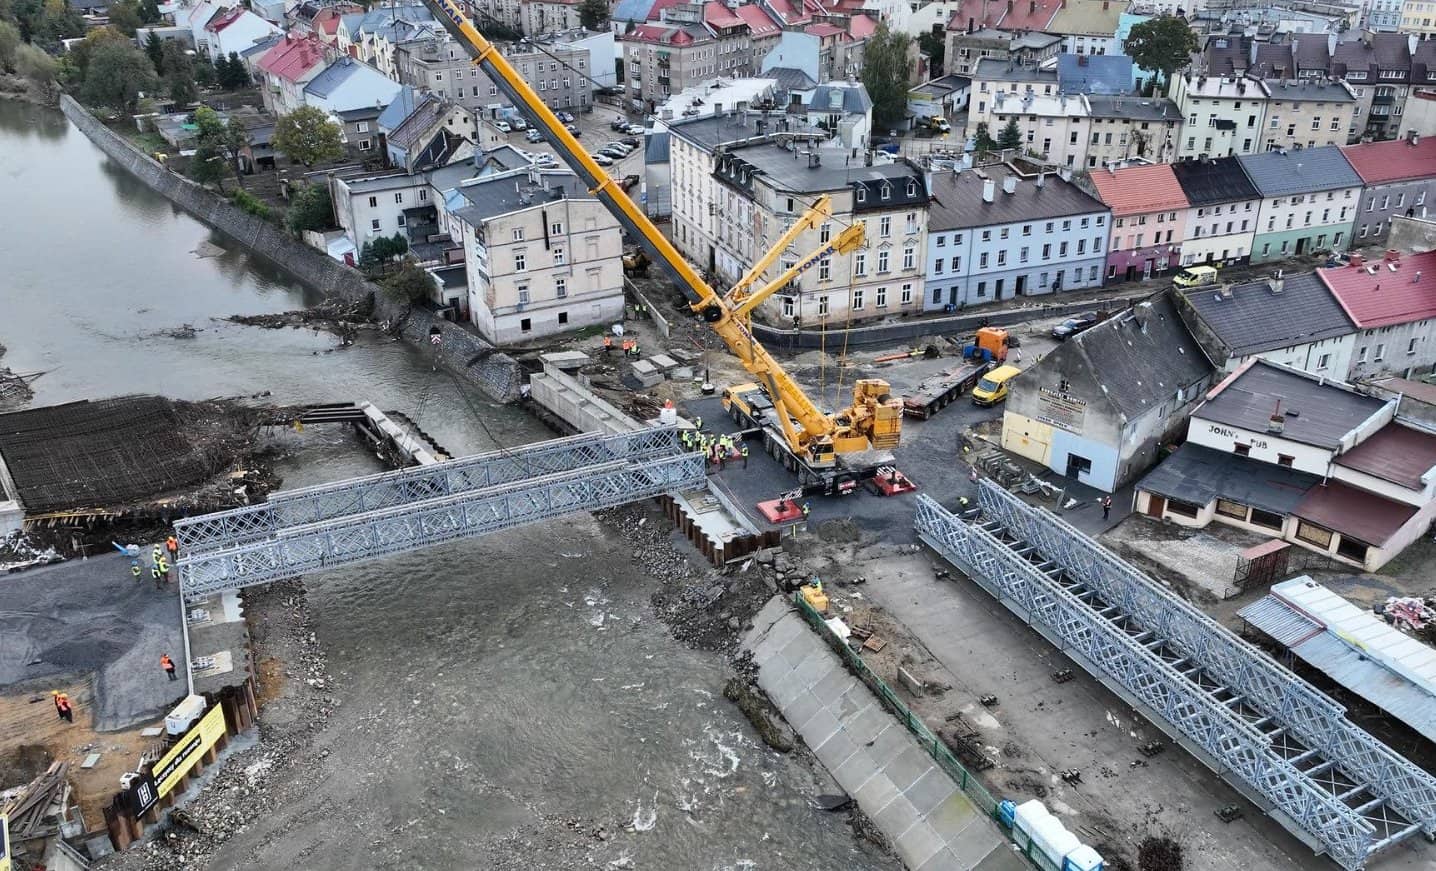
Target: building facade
[1149,214]
[1223,115]
[442,66]
[1309,200]
[1294,321]
[1400,179]
[1308,114]
[1393,305]
[1222,211]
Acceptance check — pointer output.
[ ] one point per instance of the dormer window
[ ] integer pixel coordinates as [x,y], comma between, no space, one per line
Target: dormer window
[887,191]
[862,195]
[911,188]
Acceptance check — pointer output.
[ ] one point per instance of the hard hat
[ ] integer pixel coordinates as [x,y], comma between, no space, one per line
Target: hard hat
[54,692]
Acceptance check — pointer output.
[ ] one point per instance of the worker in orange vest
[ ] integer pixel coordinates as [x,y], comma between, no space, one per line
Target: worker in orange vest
[607,344]
[63,707]
[168,665]
[172,545]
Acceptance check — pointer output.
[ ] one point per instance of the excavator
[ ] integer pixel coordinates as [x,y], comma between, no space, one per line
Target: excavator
[812,438]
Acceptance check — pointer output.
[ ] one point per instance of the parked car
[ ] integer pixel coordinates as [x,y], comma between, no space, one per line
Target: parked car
[633,129]
[615,153]
[503,127]
[564,117]
[543,158]
[618,124]
[574,130]
[602,159]
[1073,326]
[534,136]
[630,140]
[619,146]
[1195,276]
[518,123]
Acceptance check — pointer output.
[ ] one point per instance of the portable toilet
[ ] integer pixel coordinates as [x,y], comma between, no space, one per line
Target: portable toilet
[1084,858]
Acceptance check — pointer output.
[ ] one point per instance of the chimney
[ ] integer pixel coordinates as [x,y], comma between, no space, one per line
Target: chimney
[1105,5]
[1393,256]
[1413,138]
[1226,291]
[1041,180]
[1009,5]
[971,24]
[1277,283]
[989,187]
[1276,424]
[1009,185]
[1357,260]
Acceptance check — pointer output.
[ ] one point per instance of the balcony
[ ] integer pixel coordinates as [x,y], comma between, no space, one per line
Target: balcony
[1383,99]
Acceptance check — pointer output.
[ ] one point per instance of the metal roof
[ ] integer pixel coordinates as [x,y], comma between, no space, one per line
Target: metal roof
[1315,411]
[1253,319]
[1299,171]
[1196,474]
[957,200]
[1355,648]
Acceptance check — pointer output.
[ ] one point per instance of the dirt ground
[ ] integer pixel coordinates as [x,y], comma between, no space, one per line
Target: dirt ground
[28,721]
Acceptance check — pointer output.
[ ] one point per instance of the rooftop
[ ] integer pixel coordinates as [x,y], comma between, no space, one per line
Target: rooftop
[788,171]
[1197,474]
[1088,17]
[957,200]
[1253,319]
[833,97]
[1395,453]
[1396,160]
[710,131]
[511,192]
[1354,513]
[1134,190]
[760,23]
[1315,411]
[1222,86]
[1308,91]
[1094,73]
[1399,290]
[293,58]
[1041,105]
[1299,171]
[994,70]
[1133,108]
[1219,180]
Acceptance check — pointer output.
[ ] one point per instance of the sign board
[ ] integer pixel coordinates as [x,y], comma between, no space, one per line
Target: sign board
[187,752]
[141,794]
[4,843]
[1060,410]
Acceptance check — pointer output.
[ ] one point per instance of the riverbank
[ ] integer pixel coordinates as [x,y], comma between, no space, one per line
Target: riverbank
[22,90]
[462,350]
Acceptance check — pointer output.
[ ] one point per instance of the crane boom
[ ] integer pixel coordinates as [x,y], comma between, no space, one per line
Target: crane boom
[821,209]
[727,316]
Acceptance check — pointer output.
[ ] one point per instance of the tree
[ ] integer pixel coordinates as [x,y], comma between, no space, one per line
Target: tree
[10,43]
[593,15]
[204,72]
[116,76]
[310,209]
[232,72]
[149,12]
[398,245]
[125,16]
[156,51]
[1010,136]
[93,41]
[934,45]
[179,74]
[409,283]
[225,140]
[37,66]
[208,165]
[1164,45]
[982,140]
[52,21]
[885,71]
[307,136]
[369,258]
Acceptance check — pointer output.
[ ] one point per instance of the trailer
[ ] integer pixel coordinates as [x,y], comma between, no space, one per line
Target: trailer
[752,409]
[935,393]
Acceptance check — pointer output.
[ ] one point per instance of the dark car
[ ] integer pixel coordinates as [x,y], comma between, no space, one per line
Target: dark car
[1073,326]
[618,124]
[631,141]
[573,130]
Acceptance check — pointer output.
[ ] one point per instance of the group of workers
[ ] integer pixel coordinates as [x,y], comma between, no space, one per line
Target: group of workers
[161,558]
[629,346]
[718,449]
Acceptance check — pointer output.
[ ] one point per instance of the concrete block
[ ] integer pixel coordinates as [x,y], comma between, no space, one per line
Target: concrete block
[784,688]
[815,666]
[906,767]
[889,744]
[897,817]
[663,362]
[852,702]
[801,709]
[875,793]
[836,750]
[682,373]
[930,790]
[564,361]
[866,725]
[833,686]
[819,728]
[857,771]
[913,685]
[646,374]
[918,844]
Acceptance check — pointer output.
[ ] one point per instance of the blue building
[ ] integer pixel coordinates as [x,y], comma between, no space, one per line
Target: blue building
[994,234]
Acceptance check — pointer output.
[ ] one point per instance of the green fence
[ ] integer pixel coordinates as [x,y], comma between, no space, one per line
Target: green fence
[934,746]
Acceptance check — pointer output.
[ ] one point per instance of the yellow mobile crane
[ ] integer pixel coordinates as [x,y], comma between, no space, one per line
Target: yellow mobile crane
[811,437]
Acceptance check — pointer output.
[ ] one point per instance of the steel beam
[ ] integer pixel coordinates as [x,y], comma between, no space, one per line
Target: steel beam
[1232,744]
[359,537]
[293,508]
[1310,715]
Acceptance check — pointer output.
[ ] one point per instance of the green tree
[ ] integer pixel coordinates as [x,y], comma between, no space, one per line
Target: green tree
[885,75]
[37,66]
[224,139]
[398,245]
[982,140]
[208,165]
[593,15]
[10,43]
[204,72]
[369,258]
[52,21]
[310,209]
[409,282]
[86,48]
[116,76]
[307,136]
[149,12]
[935,47]
[232,73]
[156,51]
[125,16]
[179,74]
[1164,45]
[1010,136]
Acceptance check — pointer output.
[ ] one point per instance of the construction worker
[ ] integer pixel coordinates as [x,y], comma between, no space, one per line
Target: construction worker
[64,708]
[744,452]
[172,546]
[135,569]
[1106,506]
[636,352]
[168,665]
[157,554]
[164,568]
[607,344]
[158,576]
[698,423]
[806,510]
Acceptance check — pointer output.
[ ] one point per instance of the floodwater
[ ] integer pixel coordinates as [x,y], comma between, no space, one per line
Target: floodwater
[489,688]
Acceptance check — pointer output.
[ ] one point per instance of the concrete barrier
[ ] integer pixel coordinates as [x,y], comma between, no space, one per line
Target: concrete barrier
[496,373]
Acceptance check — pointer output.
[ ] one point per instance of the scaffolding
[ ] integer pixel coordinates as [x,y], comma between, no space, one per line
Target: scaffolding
[1277,739]
[293,508]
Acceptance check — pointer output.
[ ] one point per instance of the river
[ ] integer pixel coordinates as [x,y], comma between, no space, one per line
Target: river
[488,687]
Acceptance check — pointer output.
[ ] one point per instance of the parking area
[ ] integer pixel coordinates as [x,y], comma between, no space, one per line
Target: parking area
[595,134]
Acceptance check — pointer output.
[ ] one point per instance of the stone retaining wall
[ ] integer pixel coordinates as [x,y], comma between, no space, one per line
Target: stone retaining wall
[495,373]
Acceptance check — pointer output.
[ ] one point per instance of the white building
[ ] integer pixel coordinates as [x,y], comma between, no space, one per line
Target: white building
[1224,115]
[1222,214]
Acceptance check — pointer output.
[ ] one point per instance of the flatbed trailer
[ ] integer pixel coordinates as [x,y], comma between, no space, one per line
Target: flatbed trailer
[843,477]
[935,393]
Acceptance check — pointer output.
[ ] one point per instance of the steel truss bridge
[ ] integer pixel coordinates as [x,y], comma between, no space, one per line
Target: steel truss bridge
[301,531]
[1278,740]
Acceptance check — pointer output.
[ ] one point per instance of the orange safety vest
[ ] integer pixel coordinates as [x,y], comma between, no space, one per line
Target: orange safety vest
[608,341]
[172,543]
[165,662]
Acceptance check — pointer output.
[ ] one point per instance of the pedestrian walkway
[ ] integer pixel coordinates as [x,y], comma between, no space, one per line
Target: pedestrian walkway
[932,824]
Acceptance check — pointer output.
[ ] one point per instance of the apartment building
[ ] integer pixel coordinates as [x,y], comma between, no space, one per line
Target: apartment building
[1392,301]
[1222,211]
[694,44]
[1122,128]
[1149,214]
[1400,180]
[1418,17]
[966,47]
[994,234]
[1307,113]
[1223,115]
[1382,15]
[286,69]
[543,256]
[442,66]
[736,190]
[509,13]
[1056,127]
[991,78]
[1309,200]
[1089,27]
[546,16]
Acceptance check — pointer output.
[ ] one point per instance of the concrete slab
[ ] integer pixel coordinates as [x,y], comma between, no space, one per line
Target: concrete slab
[919,844]
[814,668]
[854,701]
[801,709]
[868,723]
[836,750]
[907,766]
[819,728]
[663,362]
[858,771]
[896,817]
[930,790]
[834,686]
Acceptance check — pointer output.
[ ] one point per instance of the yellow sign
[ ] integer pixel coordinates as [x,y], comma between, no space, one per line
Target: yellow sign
[183,756]
[4,843]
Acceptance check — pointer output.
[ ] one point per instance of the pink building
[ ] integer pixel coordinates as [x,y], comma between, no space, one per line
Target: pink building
[1148,220]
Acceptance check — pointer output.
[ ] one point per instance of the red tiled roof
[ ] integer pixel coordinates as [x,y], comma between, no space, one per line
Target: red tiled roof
[715,14]
[759,22]
[790,13]
[291,58]
[861,26]
[1024,14]
[1397,160]
[1137,189]
[823,29]
[1375,295]
[1396,453]
[224,19]
[1362,515]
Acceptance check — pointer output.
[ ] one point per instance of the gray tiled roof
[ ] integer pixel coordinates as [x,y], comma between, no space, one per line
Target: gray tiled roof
[957,201]
[1143,357]
[1253,319]
[1315,412]
[497,196]
[850,99]
[1299,171]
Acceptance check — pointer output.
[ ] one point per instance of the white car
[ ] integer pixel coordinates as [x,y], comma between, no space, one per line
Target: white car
[634,130]
[503,127]
[602,159]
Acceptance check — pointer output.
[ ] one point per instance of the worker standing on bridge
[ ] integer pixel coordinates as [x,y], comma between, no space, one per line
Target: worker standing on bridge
[168,665]
[172,545]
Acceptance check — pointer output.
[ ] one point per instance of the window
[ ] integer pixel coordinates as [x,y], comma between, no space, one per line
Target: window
[858,299]
[1411,346]
[559,258]
[862,198]
[1002,233]
[365,145]
[982,288]
[881,300]
[374,223]
[825,271]
[987,235]
[1380,352]
[1046,251]
[908,257]
[956,264]
[401,221]
[822,306]
[1285,459]
[941,241]
[1323,361]
[1081,246]
[825,232]
[560,288]
[399,198]
[518,234]
[520,261]
[1002,257]
[1027,229]
[1313,534]
[982,260]
[373,202]
[937,266]
[523,294]
[1241,450]
[556,228]
[885,224]
[1234,510]
[1022,255]
[882,262]
[860,263]
[787,306]
[526,324]
[906,297]
[423,194]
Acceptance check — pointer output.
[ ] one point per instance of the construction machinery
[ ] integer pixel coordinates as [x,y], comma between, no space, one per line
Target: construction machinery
[796,430]
[987,349]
